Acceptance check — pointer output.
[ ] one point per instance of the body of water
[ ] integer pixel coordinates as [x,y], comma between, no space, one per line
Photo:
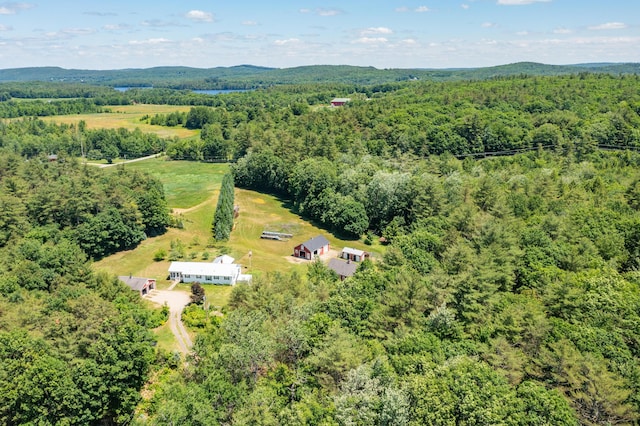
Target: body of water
[204,92]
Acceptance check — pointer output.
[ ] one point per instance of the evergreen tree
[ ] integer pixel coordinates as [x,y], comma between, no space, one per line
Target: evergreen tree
[223,217]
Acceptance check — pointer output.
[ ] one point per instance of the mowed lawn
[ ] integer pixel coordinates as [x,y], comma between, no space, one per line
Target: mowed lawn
[192,189]
[128,117]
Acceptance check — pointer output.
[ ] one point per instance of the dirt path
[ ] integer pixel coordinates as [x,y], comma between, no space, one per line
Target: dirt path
[190,209]
[176,300]
[102,166]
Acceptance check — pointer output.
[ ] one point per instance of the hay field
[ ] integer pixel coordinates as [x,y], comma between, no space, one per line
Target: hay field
[128,117]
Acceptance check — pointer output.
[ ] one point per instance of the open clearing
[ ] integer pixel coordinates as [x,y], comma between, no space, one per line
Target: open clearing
[193,188]
[128,117]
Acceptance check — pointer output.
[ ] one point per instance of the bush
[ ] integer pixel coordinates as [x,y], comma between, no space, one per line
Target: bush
[160,255]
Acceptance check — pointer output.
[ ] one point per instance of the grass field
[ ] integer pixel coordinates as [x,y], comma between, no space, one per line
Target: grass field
[128,117]
[186,183]
[192,190]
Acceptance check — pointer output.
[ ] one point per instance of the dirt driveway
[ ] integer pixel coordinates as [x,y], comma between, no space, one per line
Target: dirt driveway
[176,300]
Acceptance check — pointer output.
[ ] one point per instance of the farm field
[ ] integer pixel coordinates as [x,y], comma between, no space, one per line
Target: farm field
[128,117]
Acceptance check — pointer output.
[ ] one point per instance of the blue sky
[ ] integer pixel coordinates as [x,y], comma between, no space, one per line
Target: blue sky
[119,34]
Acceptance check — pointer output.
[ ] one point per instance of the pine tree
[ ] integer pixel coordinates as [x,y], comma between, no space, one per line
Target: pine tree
[223,217]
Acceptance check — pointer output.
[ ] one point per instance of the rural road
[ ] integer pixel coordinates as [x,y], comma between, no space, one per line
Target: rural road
[102,166]
[176,300]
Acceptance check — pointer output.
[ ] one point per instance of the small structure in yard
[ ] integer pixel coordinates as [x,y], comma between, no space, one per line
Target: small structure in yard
[278,236]
[141,285]
[354,255]
[236,211]
[317,246]
[207,273]
[226,259]
[343,268]
[338,102]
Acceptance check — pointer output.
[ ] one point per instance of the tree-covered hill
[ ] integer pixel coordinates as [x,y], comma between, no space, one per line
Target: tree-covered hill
[248,76]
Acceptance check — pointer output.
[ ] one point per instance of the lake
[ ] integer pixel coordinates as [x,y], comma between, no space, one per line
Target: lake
[204,92]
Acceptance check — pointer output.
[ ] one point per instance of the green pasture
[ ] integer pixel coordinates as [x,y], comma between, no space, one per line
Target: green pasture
[128,117]
[186,183]
[192,190]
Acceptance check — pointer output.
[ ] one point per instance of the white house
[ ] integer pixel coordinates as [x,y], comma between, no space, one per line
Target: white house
[207,273]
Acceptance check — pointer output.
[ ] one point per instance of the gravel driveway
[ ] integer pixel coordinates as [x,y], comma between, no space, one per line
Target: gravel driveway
[176,300]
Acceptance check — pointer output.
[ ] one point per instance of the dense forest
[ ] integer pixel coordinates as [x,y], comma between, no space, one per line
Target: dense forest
[75,345]
[508,292]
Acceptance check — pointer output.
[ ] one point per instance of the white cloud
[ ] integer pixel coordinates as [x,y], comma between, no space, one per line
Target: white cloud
[329,12]
[422,9]
[402,9]
[371,40]
[5,28]
[409,41]
[520,2]
[151,41]
[285,42]
[562,31]
[465,6]
[77,31]
[376,30]
[115,27]
[609,26]
[249,23]
[157,23]
[13,8]
[522,33]
[488,25]
[200,16]
[323,11]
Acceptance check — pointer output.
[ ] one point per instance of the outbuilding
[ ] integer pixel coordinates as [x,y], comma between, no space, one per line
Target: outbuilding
[354,255]
[316,246]
[343,268]
[338,102]
[141,285]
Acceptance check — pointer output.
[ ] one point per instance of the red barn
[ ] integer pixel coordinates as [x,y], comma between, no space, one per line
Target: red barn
[339,102]
[317,246]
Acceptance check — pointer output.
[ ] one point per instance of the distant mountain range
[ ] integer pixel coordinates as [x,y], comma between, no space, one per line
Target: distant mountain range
[249,76]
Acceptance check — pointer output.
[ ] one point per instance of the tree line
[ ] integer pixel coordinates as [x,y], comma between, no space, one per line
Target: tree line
[32,137]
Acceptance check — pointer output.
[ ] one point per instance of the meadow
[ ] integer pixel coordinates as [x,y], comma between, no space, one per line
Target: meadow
[128,117]
[191,190]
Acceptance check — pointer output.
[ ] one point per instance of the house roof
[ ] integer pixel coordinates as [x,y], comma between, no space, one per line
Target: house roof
[223,259]
[353,251]
[343,100]
[205,268]
[134,283]
[342,268]
[316,242]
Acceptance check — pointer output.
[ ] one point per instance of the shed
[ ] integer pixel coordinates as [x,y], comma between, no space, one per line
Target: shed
[141,285]
[355,255]
[316,246]
[343,268]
